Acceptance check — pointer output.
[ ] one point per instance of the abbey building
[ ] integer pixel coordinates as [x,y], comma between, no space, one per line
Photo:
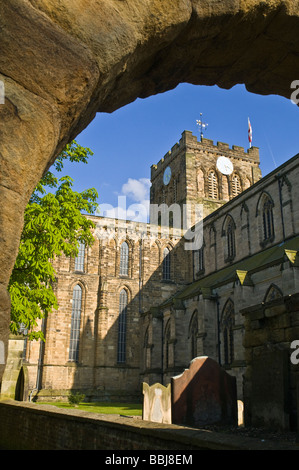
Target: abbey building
[137,306]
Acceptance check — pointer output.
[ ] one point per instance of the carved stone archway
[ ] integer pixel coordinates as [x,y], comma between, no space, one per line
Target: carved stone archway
[63,61]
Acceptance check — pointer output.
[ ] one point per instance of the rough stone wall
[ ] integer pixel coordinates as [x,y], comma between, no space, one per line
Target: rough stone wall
[271,379]
[25,426]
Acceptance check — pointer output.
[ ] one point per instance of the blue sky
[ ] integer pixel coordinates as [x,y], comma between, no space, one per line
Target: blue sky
[127,142]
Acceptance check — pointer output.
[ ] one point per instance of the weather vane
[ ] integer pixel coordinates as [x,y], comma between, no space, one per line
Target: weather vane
[202,125]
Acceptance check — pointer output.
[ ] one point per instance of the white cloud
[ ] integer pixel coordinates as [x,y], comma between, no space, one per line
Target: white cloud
[137,190]
[133,202]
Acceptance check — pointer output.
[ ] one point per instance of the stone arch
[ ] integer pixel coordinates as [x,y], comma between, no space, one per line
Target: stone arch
[76,327]
[236,184]
[166,264]
[122,326]
[264,196]
[124,258]
[273,292]
[145,49]
[193,334]
[128,290]
[15,383]
[227,323]
[212,184]
[82,283]
[264,212]
[228,232]
[22,385]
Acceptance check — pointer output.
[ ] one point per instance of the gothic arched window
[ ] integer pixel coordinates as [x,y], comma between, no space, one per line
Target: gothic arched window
[230,239]
[79,260]
[198,262]
[273,293]
[264,212]
[227,323]
[124,259]
[268,225]
[236,185]
[122,326]
[193,332]
[75,324]
[228,231]
[212,185]
[166,264]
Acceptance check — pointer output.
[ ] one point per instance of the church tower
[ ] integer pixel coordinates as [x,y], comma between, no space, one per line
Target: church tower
[199,172]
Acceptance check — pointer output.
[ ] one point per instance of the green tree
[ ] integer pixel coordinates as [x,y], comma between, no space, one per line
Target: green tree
[54,224]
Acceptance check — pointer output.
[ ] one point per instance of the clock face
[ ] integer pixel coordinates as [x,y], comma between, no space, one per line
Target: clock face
[225,165]
[167,176]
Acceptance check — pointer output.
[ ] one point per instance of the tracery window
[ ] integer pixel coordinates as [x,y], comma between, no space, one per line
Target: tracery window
[124,259]
[236,185]
[122,326]
[268,225]
[198,261]
[79,260]
[227,323]
[193,333]
[166,264]
[75,324]
[230,238]
[212,185]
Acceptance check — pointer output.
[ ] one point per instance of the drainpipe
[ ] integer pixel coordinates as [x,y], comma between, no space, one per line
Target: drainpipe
[280,200]
[218,329]
[162,351]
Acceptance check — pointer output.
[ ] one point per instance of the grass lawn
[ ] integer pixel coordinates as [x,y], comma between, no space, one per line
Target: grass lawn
[127,409]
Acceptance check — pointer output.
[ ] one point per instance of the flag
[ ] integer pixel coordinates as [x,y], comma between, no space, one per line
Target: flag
[249,132]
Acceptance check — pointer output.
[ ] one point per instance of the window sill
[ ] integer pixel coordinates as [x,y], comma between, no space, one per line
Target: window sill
[199,274]
[268,241]
[230,259]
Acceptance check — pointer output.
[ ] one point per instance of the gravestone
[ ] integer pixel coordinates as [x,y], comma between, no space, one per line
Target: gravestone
[204,394]
[156,403]
[270,400]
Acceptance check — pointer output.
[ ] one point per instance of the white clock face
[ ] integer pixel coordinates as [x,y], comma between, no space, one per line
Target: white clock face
[167,176]
[225,165]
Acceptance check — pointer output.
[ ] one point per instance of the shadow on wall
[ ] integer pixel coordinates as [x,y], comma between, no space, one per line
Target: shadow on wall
[15,380]
[203,395]
[103,350]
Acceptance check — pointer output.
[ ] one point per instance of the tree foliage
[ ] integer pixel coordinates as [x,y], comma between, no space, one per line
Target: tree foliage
[54,225]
